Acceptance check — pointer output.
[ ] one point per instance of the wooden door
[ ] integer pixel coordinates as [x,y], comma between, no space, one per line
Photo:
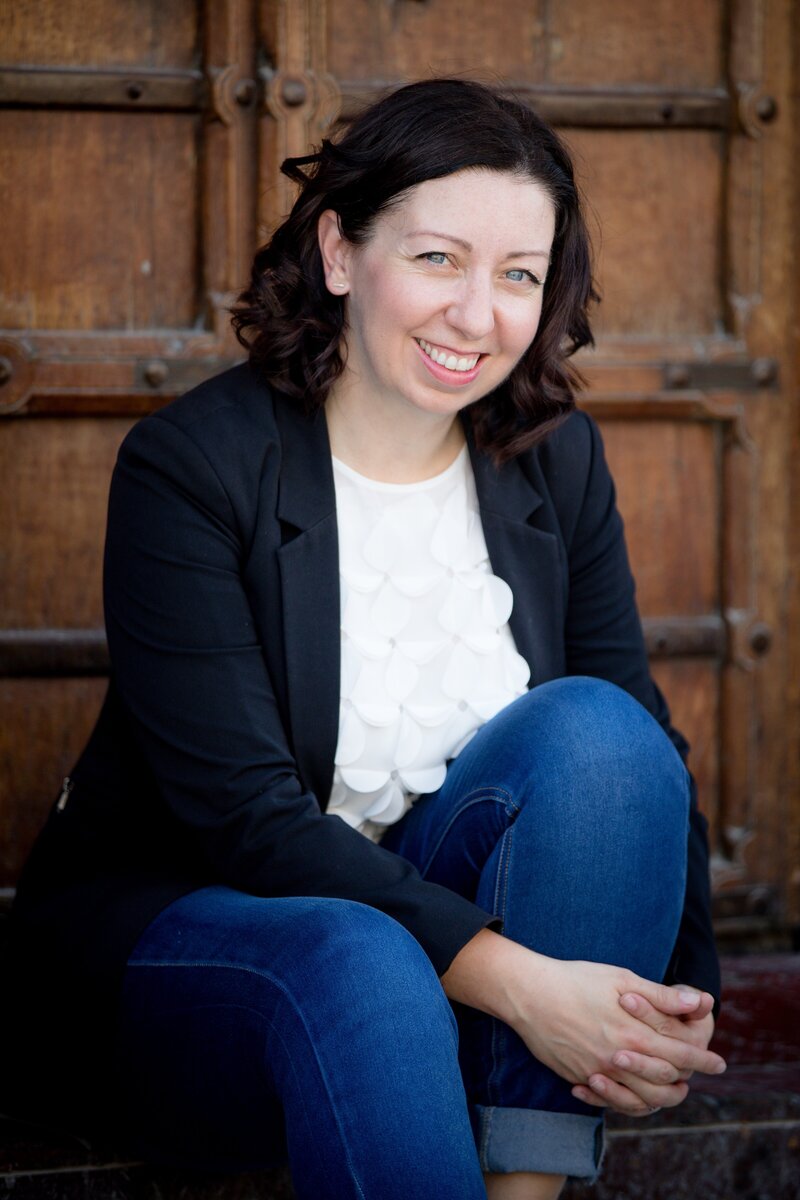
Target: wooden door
[138,166]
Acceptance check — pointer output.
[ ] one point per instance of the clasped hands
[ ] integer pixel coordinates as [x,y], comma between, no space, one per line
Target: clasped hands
[641,1083]
[622,1041]
[633,1060]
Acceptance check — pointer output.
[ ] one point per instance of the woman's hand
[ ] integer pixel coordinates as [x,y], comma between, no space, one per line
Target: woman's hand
[571,1017]
[642,1080]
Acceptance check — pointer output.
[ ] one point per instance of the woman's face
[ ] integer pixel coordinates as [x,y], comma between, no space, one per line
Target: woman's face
[445,296]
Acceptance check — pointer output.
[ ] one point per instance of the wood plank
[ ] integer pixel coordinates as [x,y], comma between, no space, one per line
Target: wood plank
[669,499]
[53,512]
[88,32]
[620,42]
[104,212]
[655,229]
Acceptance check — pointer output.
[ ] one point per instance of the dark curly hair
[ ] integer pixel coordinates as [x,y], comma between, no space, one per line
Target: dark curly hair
[293,326]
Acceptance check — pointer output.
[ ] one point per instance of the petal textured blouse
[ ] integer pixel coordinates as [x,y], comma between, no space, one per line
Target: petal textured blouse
[427,655]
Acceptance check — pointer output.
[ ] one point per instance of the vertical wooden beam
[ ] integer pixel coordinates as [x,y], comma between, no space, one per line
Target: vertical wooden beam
[300,97]
[228,156]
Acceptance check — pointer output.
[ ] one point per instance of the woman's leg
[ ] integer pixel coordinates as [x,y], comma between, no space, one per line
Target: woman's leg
[252,1028]
[567,815]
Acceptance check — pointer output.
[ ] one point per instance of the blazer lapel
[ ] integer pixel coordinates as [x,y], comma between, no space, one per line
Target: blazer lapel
[309,571]
[526,557]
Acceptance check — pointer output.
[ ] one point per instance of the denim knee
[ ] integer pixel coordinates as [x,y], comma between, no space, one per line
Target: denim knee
[600,730]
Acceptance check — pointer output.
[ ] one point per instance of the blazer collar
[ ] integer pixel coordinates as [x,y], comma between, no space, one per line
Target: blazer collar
[306,494]
[505,491]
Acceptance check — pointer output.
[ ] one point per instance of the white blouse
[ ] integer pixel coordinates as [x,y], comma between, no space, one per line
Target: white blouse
[426,654]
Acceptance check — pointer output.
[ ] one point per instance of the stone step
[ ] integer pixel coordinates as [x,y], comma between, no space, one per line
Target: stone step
[737,1136]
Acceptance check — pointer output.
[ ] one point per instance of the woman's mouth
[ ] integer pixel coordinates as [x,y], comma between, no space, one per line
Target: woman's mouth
[446,358]
[447,366]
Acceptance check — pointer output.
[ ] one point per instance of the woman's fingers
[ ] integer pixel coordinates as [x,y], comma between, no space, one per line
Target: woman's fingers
[585,1094]
[651,1070]
[705,1005]
[663,1023]
[672,1001]
[681,1054]
[640,1098]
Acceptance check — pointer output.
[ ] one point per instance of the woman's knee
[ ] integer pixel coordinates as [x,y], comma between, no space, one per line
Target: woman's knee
[360,951]
[597,734]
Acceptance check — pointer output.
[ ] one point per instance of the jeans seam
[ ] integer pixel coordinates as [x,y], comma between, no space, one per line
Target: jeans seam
[298,1012]
[499,795]
[500,898]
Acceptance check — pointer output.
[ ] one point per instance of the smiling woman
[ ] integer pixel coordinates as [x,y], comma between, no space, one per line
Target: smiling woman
[377,859]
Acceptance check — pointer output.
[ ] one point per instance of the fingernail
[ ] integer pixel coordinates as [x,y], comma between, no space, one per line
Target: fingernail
[689,998]
[722,1067]
[630,1002]
[621,1060]
[597,1084]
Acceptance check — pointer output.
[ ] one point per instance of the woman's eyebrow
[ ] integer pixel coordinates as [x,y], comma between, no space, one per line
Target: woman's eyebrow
[449,237]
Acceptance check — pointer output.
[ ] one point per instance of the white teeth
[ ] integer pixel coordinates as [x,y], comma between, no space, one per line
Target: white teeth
[451,361]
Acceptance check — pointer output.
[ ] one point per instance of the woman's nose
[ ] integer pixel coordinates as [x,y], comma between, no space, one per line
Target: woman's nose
[471,310]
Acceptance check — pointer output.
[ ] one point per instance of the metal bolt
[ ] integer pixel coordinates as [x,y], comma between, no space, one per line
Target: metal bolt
[244,92]
[766,108]
[760,638]
[667,112]
[6,369]
[155,373]
[677,375]
[294,92]
[134,91]
[763,371]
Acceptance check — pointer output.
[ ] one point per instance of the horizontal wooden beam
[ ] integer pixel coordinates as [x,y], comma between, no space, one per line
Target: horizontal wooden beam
[68,652]
[86,87]
[589,108]
[686,637]
[149,88]
[53,652]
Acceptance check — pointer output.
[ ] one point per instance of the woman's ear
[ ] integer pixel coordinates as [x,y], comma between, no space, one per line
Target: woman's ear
[336,252]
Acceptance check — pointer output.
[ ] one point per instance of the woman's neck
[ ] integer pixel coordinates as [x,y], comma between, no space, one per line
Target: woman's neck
[396,448]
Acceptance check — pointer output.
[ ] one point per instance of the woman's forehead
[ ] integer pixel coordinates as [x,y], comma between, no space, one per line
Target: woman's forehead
[473,204]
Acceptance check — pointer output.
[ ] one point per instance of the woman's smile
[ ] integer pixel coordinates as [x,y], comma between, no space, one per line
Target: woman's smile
[450,366]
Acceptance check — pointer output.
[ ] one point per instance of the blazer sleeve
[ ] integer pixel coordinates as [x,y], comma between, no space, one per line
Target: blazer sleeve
[604,639]
[191,673]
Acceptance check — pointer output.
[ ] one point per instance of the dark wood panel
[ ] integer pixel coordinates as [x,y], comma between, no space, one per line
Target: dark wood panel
[412,41]
[668,492]
[104,212]
[122,33]
[623,41]
[654,204]
[43,727]
[52,513]
[692,689]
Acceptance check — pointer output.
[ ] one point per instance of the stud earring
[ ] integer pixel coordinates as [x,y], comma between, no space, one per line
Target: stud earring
[340,285]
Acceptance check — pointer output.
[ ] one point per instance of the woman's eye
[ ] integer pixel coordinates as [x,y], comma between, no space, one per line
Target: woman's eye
[518,275]
[437,257]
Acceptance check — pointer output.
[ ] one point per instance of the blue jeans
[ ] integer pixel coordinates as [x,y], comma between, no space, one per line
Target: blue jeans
[255,1029]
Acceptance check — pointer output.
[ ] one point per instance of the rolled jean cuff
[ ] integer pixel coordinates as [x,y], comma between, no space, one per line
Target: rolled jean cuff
[524,1139]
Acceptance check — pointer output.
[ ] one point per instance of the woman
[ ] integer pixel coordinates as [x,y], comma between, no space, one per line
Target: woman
[355,575]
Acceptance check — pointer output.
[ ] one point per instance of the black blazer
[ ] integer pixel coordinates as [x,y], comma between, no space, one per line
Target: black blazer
[213,756]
